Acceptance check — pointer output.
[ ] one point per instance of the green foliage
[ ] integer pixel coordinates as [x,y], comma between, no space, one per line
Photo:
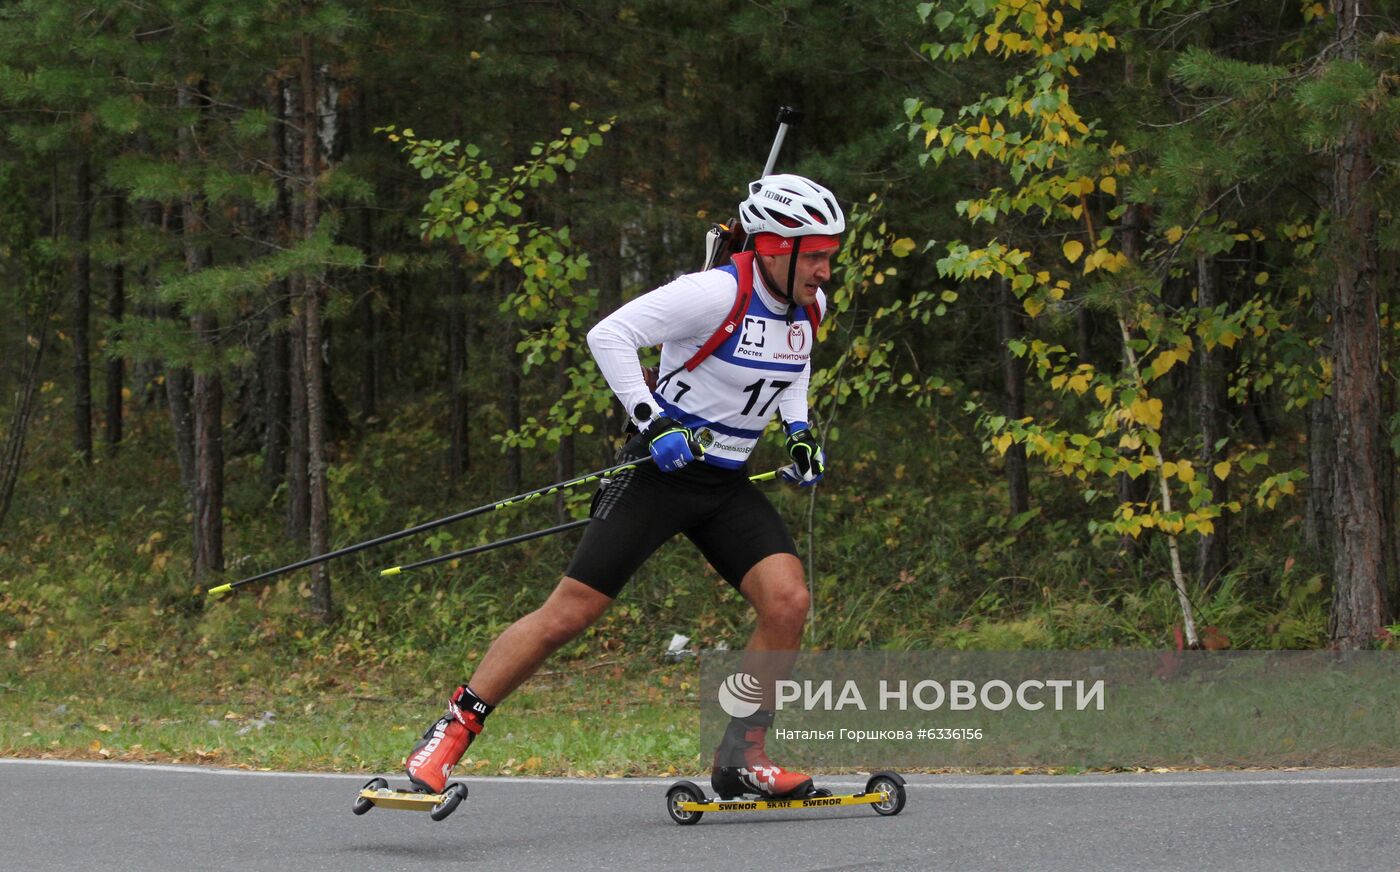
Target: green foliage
[1066,170]
[481,210]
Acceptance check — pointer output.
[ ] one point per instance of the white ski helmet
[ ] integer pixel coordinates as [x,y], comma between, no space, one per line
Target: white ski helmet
[789,206]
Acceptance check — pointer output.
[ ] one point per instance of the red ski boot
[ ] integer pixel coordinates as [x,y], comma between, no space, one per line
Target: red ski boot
[431,761]
[742,766]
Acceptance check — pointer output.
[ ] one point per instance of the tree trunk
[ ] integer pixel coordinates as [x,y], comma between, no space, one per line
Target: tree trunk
[1359,598]
[82,316]
[298,494]
[277,389]
[277,356]
[1132,490]
[12,449]
[208,387]
[116,310]
[178,388]
[1013,373]
[209,467]
[315,372]
[1390,403]
[298,483]
[1212,551]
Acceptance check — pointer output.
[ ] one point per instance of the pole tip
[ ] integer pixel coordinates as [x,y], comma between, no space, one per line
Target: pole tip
[393,570]
[220,590]
[789,115]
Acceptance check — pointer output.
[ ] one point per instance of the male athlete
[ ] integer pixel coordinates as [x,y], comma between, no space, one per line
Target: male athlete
[699,427]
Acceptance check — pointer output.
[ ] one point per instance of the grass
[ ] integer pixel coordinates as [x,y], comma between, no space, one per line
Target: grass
[105,651]
[600,721]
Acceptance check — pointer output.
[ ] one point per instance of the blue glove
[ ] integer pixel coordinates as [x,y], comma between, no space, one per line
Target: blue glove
[808,460]
[672,446]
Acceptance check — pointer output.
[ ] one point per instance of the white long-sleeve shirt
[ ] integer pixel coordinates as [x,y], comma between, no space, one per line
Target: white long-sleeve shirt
[728,400]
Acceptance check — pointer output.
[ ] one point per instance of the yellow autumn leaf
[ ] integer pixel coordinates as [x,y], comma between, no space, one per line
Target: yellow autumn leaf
[1033,306]
[1222,470]
[1164,363]
[1173,234]
[1073,249]
[902,247]
[1185,471]
[1148,412]
[1002,442]
[1261,279]
[1109,185]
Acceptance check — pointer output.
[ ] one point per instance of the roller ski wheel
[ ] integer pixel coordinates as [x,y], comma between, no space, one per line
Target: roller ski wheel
[451,798]
[362,804]
[891,786]
[681,792]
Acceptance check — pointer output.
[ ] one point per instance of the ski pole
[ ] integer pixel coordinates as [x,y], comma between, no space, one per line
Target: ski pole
[430,525]
[489,546]
[720,235]
[523,537]
[787,116]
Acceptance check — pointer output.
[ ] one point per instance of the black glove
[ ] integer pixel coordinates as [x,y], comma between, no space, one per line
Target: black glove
[808,460]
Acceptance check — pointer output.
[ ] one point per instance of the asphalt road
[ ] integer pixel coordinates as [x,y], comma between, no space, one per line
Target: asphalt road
[73,815]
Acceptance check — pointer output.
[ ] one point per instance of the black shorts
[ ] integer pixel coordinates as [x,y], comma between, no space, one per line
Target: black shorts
[720,510]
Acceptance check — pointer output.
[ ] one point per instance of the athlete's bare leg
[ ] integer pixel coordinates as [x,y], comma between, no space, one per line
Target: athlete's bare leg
[525,644]
[777,589]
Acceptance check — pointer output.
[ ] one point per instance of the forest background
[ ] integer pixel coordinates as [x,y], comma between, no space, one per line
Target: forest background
[1109,361]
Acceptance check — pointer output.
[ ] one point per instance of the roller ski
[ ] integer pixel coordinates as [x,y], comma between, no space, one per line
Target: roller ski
[742,769]
[438,805]
[430,763]
[686,803]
